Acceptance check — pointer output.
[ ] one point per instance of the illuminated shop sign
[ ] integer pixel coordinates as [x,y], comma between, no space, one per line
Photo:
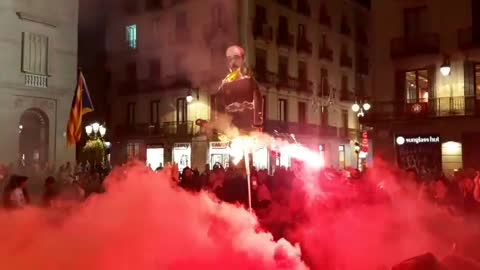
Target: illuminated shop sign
[401,140]
[219,145]
[181,145]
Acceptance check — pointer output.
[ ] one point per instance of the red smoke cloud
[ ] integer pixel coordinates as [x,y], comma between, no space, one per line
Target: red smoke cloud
[146,222]
[142,222]
[341,230]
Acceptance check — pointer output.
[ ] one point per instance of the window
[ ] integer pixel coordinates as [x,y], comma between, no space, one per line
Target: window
[302,71]
[324,87]
[264,108]
[130,6]
[417,85]
[217,13]
[181,28]
[344,50]
[34,53]
[260,60]
[344,27]
[155,112]
[282,110]
[323,16]
[360,86]
[153,4]
[301,31]
[131,70]
[182,110]
[181,21]
[133,150]
[131,36]
[345,84]
[131,113]
[345,121]
[324,117]
[415,22]
[157,25]
[477,82]
[341,156]
[155,69]
[260,13]
[324,44]
[283,24]
[283,68]
[302,113]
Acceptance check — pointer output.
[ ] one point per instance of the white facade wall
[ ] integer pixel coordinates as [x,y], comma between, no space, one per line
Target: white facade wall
[52,92]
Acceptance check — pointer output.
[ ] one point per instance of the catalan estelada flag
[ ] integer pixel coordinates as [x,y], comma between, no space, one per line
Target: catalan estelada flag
[81,104]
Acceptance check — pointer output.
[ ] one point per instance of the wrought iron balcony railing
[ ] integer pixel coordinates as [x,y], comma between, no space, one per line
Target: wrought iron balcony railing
[427,43]
[163,129]
[435,107]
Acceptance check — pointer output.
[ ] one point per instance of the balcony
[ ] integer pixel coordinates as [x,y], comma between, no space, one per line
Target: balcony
[436,107]
[362,64]
[361,36]
[345,29]
[135,86]
[128,88]
[164,129]
[468,38]
[287,3]
[325,20]
[35,80]
[347,96]
[152,5]
[285,39]
[325,53]
[262,30]
[428,43]
[304,46]
[299,129]
[287,82]
[305,86]
[262,75]
[303,7]
[346,61]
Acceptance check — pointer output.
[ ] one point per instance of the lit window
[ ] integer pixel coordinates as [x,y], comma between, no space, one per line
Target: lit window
[131,32]
[417,85]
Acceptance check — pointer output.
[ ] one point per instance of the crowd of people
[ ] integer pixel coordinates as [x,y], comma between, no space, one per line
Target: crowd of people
[42,186]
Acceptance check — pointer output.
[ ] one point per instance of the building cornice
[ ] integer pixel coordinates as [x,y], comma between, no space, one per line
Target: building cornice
[36,19]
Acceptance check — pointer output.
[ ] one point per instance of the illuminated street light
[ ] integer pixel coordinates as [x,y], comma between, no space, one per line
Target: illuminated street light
[366,106]
[445,68]
[361,108]
[355,107]
[95,130]
[189,98]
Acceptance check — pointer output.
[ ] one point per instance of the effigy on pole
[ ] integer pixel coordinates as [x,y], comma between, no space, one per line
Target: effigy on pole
[239,97]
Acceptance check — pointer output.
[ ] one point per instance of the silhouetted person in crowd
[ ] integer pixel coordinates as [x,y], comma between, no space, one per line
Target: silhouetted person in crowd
[15,195]
[189,181]
[51,192]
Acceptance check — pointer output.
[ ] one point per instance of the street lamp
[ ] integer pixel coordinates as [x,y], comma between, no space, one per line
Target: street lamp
[189,97]
[95,131]
[445,68]
[361,109]
[95,146]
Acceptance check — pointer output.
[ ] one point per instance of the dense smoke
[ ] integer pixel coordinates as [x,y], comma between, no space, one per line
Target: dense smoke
[346,229]
[142,222]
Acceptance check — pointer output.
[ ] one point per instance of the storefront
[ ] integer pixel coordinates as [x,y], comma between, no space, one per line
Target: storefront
[261,158]
[155,156]
[219,153]
[182,155]
[422,153]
